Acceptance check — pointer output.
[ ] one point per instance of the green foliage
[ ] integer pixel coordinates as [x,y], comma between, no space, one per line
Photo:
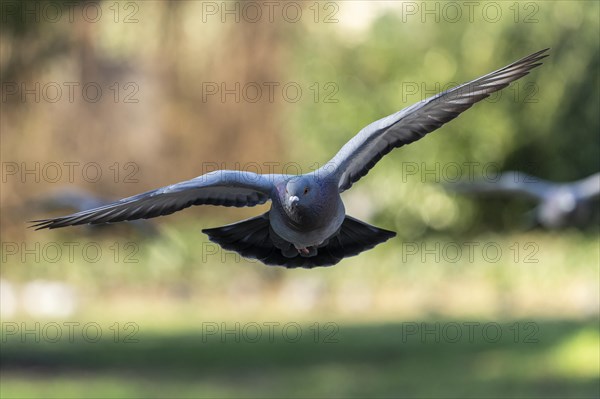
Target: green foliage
[545,124]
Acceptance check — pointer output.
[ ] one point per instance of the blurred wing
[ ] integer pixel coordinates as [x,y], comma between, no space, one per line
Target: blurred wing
[363,151]
[68,199]
[509,184]
[588,188]
[222,187]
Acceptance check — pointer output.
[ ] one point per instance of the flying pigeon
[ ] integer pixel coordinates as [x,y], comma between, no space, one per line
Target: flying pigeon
[560,204]
[307,225]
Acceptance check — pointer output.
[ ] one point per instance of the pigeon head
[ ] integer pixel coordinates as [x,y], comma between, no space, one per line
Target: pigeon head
[300,192]
[307,200]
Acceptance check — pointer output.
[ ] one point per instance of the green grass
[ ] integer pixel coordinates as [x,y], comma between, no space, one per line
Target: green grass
[373,298]
[375,360]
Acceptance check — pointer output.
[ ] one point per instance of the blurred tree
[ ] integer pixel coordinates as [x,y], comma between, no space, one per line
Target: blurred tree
[546,124]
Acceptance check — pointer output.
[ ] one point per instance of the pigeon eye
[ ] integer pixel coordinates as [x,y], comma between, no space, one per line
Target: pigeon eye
[306,191]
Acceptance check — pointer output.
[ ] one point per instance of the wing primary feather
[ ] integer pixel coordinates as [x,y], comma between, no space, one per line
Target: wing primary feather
[362,152]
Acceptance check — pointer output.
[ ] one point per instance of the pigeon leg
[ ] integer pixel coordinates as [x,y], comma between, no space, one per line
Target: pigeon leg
[307,252]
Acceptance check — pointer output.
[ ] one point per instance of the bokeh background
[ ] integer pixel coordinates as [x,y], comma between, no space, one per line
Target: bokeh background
[151,93]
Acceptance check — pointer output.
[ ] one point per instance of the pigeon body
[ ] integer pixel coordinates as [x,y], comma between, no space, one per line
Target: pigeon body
[255,238]
[307,225]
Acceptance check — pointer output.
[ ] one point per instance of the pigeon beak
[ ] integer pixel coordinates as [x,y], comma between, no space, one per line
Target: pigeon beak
[293,199]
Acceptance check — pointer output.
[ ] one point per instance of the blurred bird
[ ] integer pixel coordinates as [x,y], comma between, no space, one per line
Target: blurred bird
[307,225]
[560,204]
[75,199]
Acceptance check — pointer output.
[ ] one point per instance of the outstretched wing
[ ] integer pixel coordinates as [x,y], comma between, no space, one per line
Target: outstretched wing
[222,187]
[363,151]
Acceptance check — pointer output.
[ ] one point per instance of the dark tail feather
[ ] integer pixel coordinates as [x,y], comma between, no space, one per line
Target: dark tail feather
[253,238]
[355,237]
[250,238]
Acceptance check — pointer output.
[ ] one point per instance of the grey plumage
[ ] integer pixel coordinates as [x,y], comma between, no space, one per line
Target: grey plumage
[363,151]
[559,204]
[307,225]
[69,199]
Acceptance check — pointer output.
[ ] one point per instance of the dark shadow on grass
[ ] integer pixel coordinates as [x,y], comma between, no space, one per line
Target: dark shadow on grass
[405,357]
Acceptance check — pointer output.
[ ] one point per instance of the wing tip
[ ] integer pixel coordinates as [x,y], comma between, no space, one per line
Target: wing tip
[40,224]
[539,54]
[533,59]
